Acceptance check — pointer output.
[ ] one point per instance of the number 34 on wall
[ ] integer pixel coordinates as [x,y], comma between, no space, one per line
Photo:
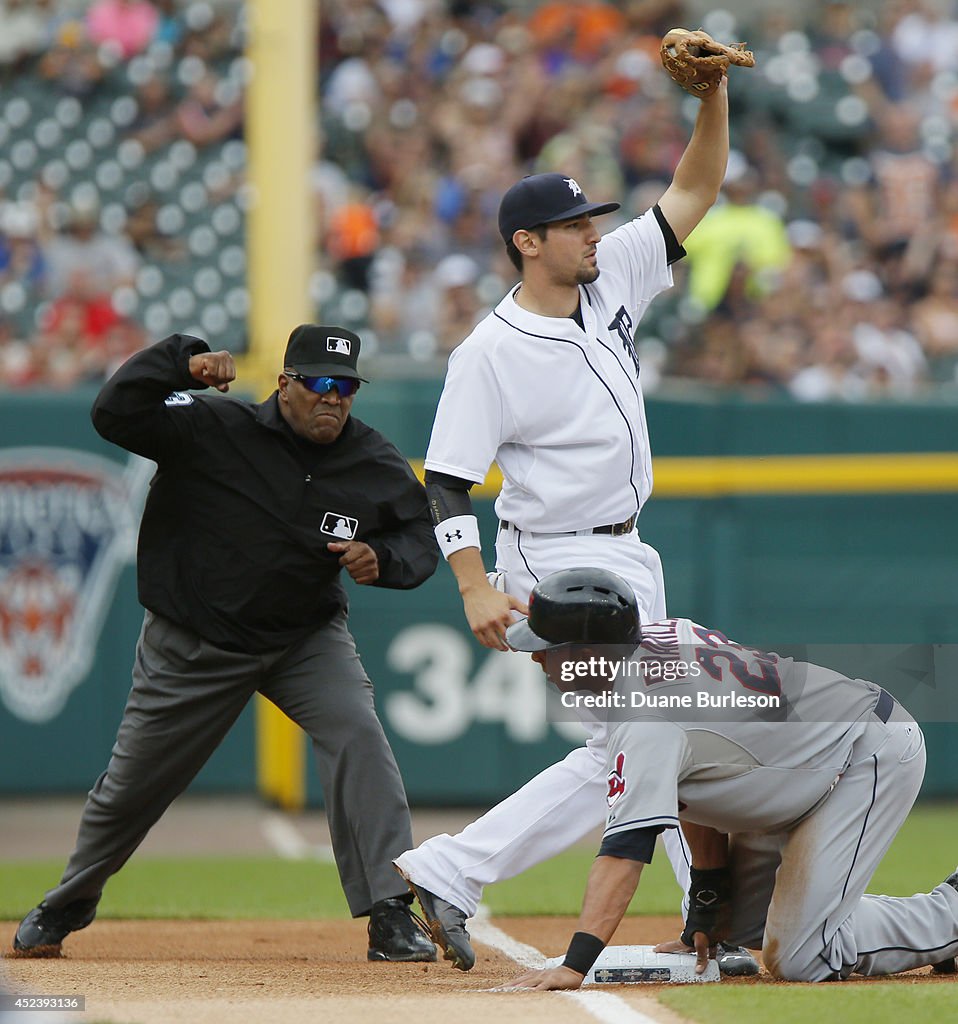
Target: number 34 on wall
[447,697]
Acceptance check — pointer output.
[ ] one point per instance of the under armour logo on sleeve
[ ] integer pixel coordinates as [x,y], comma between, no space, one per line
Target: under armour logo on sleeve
[456,533]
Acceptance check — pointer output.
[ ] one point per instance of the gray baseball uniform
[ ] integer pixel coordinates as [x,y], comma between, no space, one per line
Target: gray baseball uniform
[812,789]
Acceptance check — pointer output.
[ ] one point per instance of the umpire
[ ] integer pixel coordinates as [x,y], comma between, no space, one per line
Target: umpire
[253,512]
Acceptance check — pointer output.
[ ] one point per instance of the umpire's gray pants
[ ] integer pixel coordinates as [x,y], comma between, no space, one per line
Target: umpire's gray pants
[187,694]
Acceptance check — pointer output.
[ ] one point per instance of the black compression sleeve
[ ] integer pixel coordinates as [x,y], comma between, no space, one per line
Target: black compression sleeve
[636,844]
[448,496]
[673,250]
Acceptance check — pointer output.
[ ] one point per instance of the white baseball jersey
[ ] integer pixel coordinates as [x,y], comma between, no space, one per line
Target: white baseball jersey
[558,408]
[735,765]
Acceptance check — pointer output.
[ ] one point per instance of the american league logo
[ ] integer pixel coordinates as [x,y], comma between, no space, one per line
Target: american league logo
[68,522]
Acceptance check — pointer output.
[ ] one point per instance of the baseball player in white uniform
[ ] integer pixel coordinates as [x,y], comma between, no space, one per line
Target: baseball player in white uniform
[549,387]
[810,774]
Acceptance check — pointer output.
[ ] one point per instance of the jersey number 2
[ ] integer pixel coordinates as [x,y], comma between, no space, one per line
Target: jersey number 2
[761,676]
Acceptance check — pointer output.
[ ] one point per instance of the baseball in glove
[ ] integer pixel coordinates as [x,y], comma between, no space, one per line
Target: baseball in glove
[697,62]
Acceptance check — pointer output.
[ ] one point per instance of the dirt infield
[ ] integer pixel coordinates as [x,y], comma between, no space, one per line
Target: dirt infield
[248,972]
[159,972]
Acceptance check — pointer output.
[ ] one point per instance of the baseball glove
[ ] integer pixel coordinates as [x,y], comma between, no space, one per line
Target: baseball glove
[697,62]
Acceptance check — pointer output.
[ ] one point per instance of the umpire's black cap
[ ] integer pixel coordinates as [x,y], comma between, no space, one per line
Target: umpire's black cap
[578,606]
[542,199]
[316,350]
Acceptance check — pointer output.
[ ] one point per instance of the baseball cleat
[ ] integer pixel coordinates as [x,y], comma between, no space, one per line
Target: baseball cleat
[42,931]
[397,935]
[447,925]
[735,961]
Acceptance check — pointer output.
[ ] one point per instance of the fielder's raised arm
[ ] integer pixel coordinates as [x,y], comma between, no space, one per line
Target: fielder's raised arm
[699,175]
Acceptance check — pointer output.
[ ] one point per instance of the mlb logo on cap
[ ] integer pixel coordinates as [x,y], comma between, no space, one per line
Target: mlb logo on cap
[316,350]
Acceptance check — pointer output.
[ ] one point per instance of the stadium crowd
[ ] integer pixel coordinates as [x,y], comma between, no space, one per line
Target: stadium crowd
[829,270]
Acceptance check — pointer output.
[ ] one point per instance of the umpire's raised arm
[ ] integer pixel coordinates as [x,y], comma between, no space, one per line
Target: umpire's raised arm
[131,409]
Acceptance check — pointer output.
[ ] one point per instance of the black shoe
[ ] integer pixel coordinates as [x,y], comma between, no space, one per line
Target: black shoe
[735,961]
[395,933]
[448,926]
[44,928]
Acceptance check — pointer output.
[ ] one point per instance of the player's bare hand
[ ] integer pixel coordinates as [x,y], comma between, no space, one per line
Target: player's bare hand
[702,950]
[553,979]
[489,614]
[358,559]
[722,91]
[215,369]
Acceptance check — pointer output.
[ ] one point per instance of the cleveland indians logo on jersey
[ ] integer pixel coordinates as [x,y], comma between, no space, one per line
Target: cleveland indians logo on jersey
[623,326]
[67,525]
[617,778]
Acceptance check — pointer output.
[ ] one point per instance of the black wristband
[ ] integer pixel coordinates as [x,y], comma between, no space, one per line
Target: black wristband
[708,900]
[714,880]
[583,951]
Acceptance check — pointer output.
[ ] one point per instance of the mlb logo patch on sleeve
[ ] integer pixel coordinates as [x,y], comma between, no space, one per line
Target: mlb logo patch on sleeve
[179,398]
[339,526]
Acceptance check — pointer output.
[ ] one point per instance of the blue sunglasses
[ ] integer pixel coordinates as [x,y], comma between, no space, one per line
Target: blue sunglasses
[346,386]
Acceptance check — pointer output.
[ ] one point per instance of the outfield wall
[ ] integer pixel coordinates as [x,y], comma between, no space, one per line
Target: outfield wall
[766,529]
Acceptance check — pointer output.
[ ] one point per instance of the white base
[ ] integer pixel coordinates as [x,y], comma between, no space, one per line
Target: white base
[638,965]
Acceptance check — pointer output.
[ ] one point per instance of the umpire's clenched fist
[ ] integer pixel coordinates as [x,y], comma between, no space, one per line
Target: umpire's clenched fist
[358,559]
[216,369]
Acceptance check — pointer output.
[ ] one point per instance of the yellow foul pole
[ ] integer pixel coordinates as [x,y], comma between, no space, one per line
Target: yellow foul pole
[280,135]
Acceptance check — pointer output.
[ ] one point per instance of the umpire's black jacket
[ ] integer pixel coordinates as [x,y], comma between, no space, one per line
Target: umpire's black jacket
[231,543]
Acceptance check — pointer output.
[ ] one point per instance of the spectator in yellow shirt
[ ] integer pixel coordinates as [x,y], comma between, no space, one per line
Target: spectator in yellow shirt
[739,231]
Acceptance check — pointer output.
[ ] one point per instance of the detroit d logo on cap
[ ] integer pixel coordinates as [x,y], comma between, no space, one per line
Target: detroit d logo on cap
[342,346]
[339,526]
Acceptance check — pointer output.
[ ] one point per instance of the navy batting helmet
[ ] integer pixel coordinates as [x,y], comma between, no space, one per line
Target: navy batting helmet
[578,606]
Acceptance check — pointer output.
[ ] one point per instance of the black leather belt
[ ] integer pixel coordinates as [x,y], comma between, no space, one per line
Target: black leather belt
[885,706]
[616,529]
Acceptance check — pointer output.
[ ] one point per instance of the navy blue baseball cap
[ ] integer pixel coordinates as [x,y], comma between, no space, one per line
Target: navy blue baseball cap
[544,199]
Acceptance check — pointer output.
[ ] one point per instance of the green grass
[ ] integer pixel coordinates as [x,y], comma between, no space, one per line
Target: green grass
[556,887]
[924,852]
[235,888]
[855,1003]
